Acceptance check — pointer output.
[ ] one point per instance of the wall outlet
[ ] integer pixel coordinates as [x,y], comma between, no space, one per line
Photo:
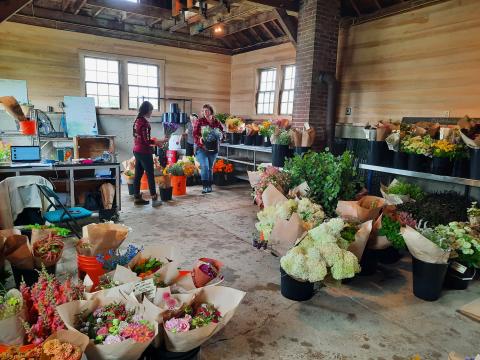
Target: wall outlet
[348,111]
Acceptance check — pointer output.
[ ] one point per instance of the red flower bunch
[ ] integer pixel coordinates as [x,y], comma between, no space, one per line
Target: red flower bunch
[41,301]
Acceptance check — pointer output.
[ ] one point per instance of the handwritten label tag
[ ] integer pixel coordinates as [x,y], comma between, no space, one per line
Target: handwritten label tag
[306,125]
[458,267]
[146,287]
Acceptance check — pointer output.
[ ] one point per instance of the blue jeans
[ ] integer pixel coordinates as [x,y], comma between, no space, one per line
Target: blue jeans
[206,160]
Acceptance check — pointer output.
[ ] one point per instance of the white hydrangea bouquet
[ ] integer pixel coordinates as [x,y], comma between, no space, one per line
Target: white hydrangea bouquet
[310,213]
[321,253]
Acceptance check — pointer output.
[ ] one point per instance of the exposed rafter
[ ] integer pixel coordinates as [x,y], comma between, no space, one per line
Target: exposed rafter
[9,7]
[96,13]
[268,31]
[252,21]
[133,8]
[111,28]
[288,25]
[276,41]
[289,5]
[81,4]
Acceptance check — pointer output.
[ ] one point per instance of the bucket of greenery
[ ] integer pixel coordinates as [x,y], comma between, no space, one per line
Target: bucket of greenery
[430,253]
[280,147]
[320,255]
[465,255]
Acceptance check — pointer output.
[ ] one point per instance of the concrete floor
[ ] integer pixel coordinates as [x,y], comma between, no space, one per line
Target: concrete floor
[375,317]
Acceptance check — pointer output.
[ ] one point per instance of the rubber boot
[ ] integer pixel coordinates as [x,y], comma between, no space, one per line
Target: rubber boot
[156,202]
[140,201]
[209,187]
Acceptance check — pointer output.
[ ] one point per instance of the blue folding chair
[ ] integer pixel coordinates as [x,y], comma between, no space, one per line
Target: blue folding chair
[61,214]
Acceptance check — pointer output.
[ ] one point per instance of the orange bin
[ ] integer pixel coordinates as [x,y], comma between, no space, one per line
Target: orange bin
[89,265]
[144,182]
[28,127]
[179,185]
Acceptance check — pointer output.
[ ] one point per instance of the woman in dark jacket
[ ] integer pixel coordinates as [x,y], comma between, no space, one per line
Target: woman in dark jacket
[143,152]
[206,157]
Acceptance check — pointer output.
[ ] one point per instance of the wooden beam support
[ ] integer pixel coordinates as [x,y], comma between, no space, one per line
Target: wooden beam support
[66,4]
[79,7]
[268,31]
[110,28]
[288,25]
[243,38]
[277,28]
[9,7]
[96,13]
[133,8]
[254,34]
[256,46]
[252,21]
[289,5]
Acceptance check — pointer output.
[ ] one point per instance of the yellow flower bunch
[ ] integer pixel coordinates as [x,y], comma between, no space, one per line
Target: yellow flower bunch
[188,169]
[445,149]
[443,145]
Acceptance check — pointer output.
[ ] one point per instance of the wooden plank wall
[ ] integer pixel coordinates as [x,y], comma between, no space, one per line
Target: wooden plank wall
[422,63]
[48,59]
[244,69]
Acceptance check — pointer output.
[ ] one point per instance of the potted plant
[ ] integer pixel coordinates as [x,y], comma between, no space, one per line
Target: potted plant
[222,172]
[211,137]
[419,150]
[251,133]
[465,254]
[178,178]
[165,188]
[280,147]
[129,176]
[430,252]
[321,253]
[265,131]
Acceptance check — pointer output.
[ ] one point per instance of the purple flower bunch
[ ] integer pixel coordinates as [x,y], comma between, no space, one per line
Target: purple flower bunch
[169,128]
[115,257]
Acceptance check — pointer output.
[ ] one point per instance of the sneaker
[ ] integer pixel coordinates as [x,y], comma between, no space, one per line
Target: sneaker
[209,189]
[156,202]
[140,201]
[205,190]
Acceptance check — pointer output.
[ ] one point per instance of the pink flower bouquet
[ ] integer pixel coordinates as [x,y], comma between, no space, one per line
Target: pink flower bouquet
[205,270]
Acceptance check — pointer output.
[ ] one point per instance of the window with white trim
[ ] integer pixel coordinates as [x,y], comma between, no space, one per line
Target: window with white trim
[266,91]
[142,84]
[286,102]
[102,82]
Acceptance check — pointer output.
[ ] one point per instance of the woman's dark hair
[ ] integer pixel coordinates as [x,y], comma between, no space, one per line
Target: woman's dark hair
[144,109]
[209,107]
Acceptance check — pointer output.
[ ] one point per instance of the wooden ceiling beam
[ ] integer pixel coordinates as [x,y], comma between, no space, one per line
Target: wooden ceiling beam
[288,25]
[252,21]
[277,28]
[254,34]
[133,8]
[9,7]
[243,38]
[81,4]
[289,5]
[111,28]
[268,31]
[256,46]
[66,4]
[96,13]
[355,7]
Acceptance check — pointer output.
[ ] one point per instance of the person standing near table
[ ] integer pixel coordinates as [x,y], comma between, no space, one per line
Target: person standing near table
[190,151]
[143,152]
[205,157]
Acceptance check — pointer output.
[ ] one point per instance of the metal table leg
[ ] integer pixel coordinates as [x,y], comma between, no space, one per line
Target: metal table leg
[72,188]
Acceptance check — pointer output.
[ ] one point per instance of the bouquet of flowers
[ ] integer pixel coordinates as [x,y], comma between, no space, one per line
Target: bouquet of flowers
[446,149]
[222,117]
[43,231]
[271,175]
[205,270]
[211,137]
[174,169]
[266,129]
[116,257]
[321,253]
[159,262]
[235,125]
[48,251]
[420,145]
[464,242]
[198,320]
[41,301]
[473,213]
[221,166]
[4,152]
[427,244]
[252,129]
[101,238]
[12,331]
[117,328]
[399,192]
[147,266]
[169,129]
[189,168]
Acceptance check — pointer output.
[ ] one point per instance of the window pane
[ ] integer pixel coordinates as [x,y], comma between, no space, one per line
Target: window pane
[132,69]
[96,99]
[153,92]
[90,64]
[132,103]
[103,101]
[152,71]
[113,66]
[132,91]
[154,102]
[102,89]
[114,90]
[260,97]
[142,70]
[102,76]
[132,80]
[102,65]
[152,81]
[113,78]
[142,80]
[90,75]
[91,89]
[114,102]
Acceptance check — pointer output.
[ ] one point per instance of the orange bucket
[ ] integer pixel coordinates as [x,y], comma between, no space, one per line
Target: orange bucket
[179,185]
[89,265]
[28,127]
[144,182]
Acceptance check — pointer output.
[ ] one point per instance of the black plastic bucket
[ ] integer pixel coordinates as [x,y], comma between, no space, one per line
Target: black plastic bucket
[389,255]
[475,164]
[221,179]
[249,139]
[166,194]
[258,140]
[419,163]
[266,141]
[369,262]
[30,276]
[461,168]
[300,150]
[279,153]
[376,152]
[293,289]
[400,160]
[131,189]
[456,279]
[428,279]
[442,166]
